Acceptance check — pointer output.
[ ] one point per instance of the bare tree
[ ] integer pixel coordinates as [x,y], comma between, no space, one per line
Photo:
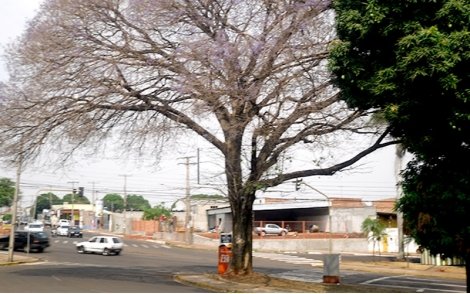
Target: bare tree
[249,77]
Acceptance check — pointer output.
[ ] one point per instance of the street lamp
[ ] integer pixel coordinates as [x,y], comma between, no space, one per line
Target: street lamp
[330,243]
[330,261]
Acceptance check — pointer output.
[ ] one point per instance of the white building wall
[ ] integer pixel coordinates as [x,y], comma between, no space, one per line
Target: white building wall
[349,220]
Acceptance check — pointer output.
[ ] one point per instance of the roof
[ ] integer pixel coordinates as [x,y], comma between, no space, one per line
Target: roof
[385,205]
[314,203]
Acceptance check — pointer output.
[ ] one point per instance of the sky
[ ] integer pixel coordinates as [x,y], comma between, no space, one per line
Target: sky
[373,179]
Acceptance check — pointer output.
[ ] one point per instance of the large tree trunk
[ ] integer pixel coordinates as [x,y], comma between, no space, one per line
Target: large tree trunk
[241,196]
[242,212]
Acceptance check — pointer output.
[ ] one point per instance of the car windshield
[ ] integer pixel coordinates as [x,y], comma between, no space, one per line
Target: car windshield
[40,234]
[74,228]
[64,227]
[35,226]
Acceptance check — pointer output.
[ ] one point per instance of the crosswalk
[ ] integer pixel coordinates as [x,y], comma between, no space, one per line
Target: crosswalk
[288,258]
[146,246]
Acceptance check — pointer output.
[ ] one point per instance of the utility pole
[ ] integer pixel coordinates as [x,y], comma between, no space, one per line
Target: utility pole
[198,167]
[73,200]
[330,243]
[188,228]
[11,244]
[93,199]
[399,155]
[125,202]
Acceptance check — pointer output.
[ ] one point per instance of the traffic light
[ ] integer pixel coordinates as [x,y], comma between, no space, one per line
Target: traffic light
[297,184]
[80,191]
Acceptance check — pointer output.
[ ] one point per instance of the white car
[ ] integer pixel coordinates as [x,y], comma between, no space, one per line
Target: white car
[62,230]
[63,222]
[101,244]
[34,227]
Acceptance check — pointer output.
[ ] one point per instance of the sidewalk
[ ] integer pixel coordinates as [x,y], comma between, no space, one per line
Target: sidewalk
[18,258]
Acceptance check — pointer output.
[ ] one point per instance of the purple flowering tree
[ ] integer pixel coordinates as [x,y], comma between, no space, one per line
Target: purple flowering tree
[249,77]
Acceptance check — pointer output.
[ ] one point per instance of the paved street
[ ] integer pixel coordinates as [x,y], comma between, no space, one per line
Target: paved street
[149,267]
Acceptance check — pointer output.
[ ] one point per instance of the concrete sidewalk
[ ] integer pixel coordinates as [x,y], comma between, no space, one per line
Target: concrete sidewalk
[18,258]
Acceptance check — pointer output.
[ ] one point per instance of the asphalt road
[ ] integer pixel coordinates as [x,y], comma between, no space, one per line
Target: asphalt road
[149,267]
[140,269]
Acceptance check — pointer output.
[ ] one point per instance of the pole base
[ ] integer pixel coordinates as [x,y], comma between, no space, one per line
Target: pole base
[331,279]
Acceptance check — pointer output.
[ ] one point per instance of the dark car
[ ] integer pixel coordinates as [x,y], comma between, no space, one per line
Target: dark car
[74,232]
[28,241]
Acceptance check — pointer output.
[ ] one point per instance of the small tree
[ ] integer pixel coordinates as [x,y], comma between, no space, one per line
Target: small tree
[76,199]
[374,230]
[45,201]
[7,217]
[113,202]
[156,212]
[136,202]
[7,191]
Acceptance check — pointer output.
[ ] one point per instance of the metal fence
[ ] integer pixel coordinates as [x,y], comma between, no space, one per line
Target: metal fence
[296,226]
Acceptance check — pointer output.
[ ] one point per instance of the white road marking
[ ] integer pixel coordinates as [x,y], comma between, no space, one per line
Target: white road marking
[380,279]
[56,278]
[288,258]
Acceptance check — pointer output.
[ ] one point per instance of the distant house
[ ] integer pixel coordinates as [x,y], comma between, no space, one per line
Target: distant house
[347,214]
[198,214]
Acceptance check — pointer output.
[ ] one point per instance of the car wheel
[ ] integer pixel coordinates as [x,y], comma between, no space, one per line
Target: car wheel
[80,249]
[118,252]
[40,250]
[283,233]
[3,246]
[26,248]
[263,233]
[106,251]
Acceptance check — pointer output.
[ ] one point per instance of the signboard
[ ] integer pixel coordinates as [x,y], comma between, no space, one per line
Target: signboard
[225,238]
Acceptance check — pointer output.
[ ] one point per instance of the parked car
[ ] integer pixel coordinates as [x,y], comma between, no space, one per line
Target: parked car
[62,230]
[74,232]
[63,222]
[38,241]
[101,244]
[314,229]
[34,227]
[270,229]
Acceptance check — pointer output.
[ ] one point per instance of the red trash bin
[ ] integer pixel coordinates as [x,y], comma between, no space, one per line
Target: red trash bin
[225,256]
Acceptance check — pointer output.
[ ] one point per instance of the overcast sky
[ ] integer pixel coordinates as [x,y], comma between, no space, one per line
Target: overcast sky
[166,182]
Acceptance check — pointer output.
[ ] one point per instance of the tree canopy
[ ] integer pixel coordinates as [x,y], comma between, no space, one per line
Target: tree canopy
[249,77]
[76,199]
[113,202]
[155,212]
[45,201]
[7,191]
[410,60]
[137,202]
